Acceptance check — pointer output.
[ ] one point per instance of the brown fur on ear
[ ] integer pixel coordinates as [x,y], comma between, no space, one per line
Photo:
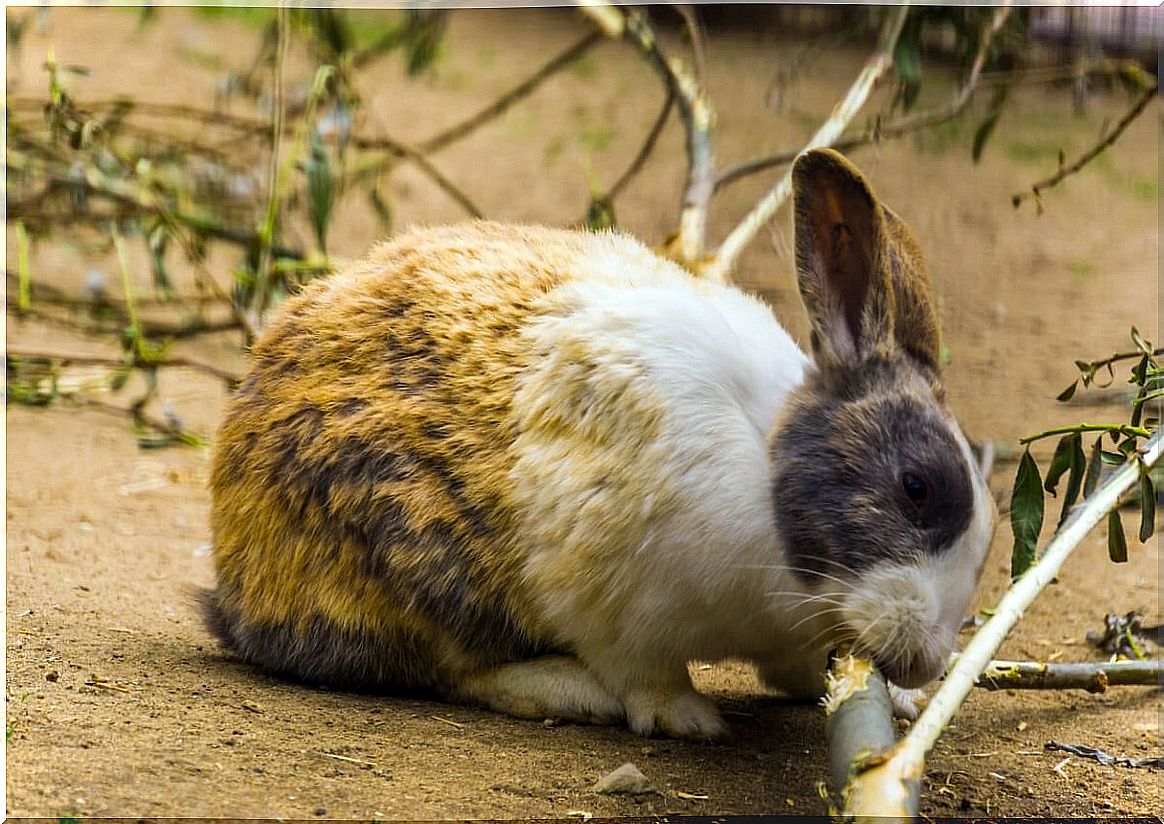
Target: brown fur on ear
[840,243]
[858,262]
[915,322]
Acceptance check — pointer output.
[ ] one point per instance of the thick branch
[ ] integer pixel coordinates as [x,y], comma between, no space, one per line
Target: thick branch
[697,114]
[890,786]
[859,725]
[897,128]
[875,68]
[1091,676]
[1066,171]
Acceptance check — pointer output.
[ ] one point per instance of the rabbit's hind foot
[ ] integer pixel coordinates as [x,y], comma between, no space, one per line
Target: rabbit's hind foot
[558,687]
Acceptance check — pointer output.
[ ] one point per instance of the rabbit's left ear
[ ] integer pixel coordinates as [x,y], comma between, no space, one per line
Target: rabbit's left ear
[840,259]
[861,272]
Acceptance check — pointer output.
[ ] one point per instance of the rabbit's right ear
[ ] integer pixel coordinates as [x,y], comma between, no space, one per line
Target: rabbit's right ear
[840,243]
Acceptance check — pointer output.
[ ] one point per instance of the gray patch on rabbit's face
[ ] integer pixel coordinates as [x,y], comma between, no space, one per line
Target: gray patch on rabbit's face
[839,460]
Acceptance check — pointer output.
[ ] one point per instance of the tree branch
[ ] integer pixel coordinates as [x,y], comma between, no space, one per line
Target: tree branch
[1066,171]
[93,180]
[149,328]
[266,234]
[897,128]
[499,106]
[647,147]
[860,717]
[1092,676]
[890,786]
[98,360]
[697,114]
[875,68]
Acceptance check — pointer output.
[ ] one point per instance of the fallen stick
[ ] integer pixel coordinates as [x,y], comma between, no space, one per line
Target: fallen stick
[1088,675]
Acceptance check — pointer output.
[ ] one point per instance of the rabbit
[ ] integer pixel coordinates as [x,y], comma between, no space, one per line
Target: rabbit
[542,470]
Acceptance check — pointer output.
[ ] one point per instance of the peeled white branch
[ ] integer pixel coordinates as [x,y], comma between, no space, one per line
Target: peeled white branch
[890,787]
[698,117]
[875,68]
[859,725]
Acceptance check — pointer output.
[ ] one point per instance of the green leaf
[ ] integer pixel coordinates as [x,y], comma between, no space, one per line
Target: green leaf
[1147,508]
[1140,371]
[1140,343]
[600,214]
[907,60]
[1112,458]
[158,240]
[1117,544]
[986,127]
[381,207]
[1068,393]
[1075,479]
[120,377]
[424,30]
[320,188]
[1060,462]
[1026,514]
[330,30]
[1094,468]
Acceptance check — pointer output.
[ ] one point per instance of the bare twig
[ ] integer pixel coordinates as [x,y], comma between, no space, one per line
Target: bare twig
[1066,171]
[647,147]
[875,68]
[902,126]
[395,148]
[499,106]
[149,328]
[1091,676]
[890,786]
[698,117]
[140,418]
[99,360]
[94,181]
[274,172]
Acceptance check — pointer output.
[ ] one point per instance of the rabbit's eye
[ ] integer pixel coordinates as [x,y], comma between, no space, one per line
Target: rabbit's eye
[917,490]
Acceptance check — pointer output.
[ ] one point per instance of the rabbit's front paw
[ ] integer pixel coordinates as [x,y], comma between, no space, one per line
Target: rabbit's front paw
[685,714]
[907,704]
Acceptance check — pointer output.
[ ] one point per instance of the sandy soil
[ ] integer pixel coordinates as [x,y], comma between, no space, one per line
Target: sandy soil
[120,704]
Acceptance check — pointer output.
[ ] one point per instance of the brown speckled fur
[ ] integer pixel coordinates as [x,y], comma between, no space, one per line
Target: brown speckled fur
[347,478]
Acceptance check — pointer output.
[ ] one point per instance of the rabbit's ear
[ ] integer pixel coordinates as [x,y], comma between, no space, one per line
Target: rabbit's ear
[915,322]
[841,258]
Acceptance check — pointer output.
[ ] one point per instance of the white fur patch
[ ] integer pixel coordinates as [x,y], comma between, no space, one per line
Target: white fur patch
[641,464]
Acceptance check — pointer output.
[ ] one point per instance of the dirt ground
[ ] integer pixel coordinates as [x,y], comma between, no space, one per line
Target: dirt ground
[118,701]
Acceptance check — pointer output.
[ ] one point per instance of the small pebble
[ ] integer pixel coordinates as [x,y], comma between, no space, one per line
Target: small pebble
[52,675]
[321,810]
[626,780]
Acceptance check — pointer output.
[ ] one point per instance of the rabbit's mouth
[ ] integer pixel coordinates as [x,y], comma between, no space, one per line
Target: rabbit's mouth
[895,618]
[913,671]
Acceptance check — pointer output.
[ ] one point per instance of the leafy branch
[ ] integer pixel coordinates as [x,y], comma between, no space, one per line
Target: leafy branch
[1066,170]
[1082,471]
